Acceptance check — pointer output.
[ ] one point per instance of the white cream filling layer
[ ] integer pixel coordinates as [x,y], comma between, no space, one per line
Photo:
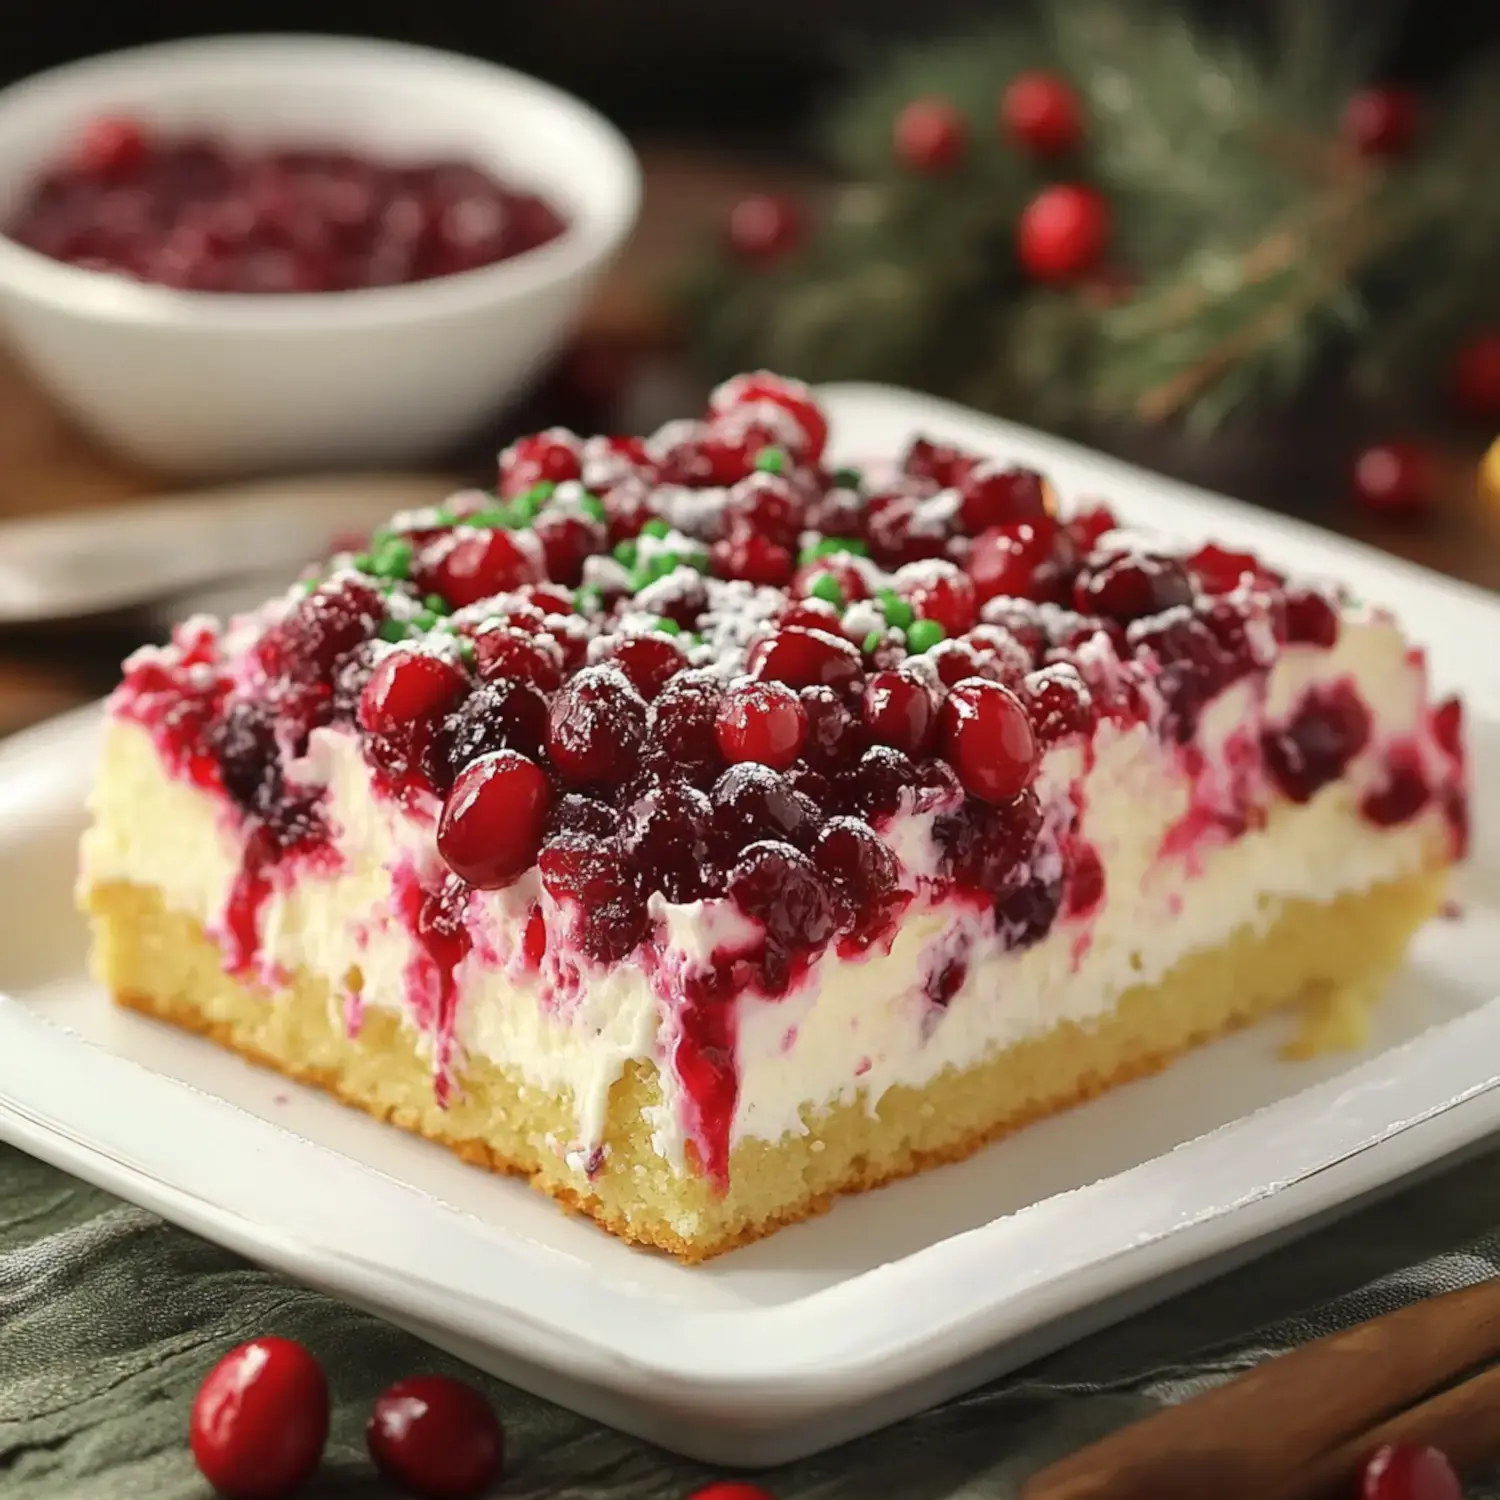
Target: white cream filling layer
[856,1027]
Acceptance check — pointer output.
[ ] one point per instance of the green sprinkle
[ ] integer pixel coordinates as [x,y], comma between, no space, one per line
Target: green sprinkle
[832,546]
[424,620]
[588,600]
[923,635]
[664,563]
[656,527]
[442,516]
[466,650]
[362,561]
[495,518]
[625,553]
[848,479]
[666,626]
[523,509]
[826,586]
[771,461]
[393,560]
[872,641]
[593,506]
[896,610]
[393,631]
[540,493]
[306,586]
[437,604]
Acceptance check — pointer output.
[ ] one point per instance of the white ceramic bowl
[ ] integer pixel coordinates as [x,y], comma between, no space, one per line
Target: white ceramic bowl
[210,384]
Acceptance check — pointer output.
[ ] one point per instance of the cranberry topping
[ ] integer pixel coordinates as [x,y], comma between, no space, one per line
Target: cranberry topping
[942,464]
[1194,664]
[260,1419]
[863,877]
[673,844]
[499,715]
[1058,703]
[731,1489]
[1026,915]
[650,661]
[1085,881]
[899,711]
[474,565]
[835,739]
[493,820]
[1404,794]
[1217,570]
[761,721]
[1448,727]
[435,1436]
[594,877]
[205,216]
[791,396]
[988,740]
[1311,619]
[549,457]
[807,658]
[1330,728]
[1087,527]
[939,591]
[408,688]
[753,802]
[576,813]
[597,725]
[1020,559]
[993,496]
[1132,587]
[781,888]
[307,644]
[503,651]
[567,544]
[755,558]
[875,787]
[988,848]
[684,727]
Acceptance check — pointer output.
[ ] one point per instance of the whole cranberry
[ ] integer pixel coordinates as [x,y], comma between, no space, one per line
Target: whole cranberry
[765,505]
[899,711]
[751,802]
[672,844]
[864,875]
[436,1436]
[407,688]
[807,658]
[1409,1473]
[467,566]
[879,783]
[499,715]
[260,1419]
[753,558]
[990,495]
[1311,619]
[1132,587]
[1018,559]
[597,881]
[781,888]
[835,737]
[597,724]
[940,463]
[1059,703]
[567,544]
[811,614]
[987,739]
[494,818]
[308,643]
[551,457]
[1089,525]
[731,1489]
[684,726]
[761,721]
[650,661]
[791,395]
[1220,571]
[940,591]
[502,651]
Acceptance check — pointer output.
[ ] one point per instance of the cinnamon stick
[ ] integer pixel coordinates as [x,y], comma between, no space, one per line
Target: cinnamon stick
[1263,1431]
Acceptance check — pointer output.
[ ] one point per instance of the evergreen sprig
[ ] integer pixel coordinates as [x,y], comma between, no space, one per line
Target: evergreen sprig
[1253,248]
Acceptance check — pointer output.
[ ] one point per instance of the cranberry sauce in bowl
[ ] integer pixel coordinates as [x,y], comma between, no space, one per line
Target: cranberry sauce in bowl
[206,213]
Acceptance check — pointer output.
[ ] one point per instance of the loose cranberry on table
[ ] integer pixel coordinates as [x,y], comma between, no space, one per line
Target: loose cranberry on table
[1409,1473]
[731,1489]
[201,214]
[260,1419]
[437,1437]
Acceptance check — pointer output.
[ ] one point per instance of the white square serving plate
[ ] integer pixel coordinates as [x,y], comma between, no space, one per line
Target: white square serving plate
[893,1300]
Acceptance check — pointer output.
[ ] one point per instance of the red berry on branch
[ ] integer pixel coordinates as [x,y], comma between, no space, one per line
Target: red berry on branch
[260,1420]
[1403,1473]
[931,136]
[1063,232]
[1382,121]
[764,228]
[1476,378]
[1041,113]
[1394,478]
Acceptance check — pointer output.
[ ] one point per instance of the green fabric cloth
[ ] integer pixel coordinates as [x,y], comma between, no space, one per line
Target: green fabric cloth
[109,1318]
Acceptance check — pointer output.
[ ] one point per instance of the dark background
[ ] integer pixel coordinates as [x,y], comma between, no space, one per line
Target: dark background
[730,70]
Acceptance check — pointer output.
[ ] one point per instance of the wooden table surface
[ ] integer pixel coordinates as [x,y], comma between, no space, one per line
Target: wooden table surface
[47,466]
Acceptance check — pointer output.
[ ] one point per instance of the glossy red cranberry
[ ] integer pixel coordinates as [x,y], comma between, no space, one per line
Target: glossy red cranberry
[308,643]
[781,888]
[989,848]
[437,1437]
[1059,704]
[1403,795]
[812,614]
[731,1489]
[650,661]
[576,813]
[761,721]
[673,841]
[260,1420]
[939,591]
[835,738]
[864,876]
[596,879]
[1220,571]
[1063,232]
[1041,113]
[877,786]
[1311,618]
[1132,587]
[493,820]
[899,711]
[499,715]
[899,532]
[550,598]
[472,565]
[543,457]
[754,558]
[991,495]
[501,651]
[1089,525]
[752,802]
[791,395]
[409,687]
[987,739]
[1382,121]
[996,652]
[940,463]
[807,658]
[764,228]
[931,136]
[1409,1473]
[1330,728]
[111,147]
[598,723]
[684,726]
[567,543]
[1395,479]
[1016,560]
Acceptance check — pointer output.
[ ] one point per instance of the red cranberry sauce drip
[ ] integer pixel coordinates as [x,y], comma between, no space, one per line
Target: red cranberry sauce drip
[205,216]
[434,919]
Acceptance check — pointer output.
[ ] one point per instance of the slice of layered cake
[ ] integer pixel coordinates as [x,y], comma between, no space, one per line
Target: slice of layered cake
[703,832]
